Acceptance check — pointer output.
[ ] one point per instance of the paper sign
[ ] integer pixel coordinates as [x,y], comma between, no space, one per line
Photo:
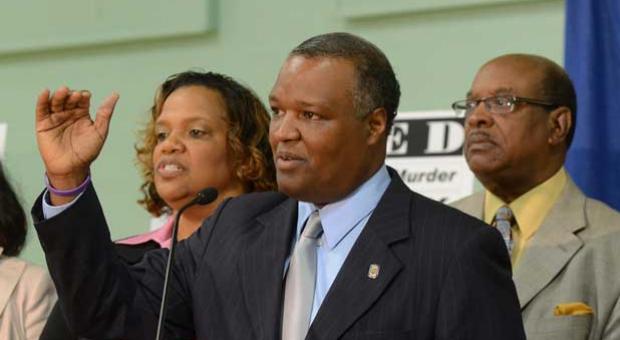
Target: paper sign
[426,148]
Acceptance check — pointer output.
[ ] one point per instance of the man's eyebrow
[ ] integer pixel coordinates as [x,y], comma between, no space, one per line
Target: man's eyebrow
[318,105]
[503,90]
[498,91]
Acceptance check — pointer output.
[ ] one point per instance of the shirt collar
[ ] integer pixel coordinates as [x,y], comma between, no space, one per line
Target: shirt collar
[162,236]
[531,208]
[339,218]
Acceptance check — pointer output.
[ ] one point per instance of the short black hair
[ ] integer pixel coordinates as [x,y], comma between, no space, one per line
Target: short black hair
[377,86]
[13,225]
[558,88]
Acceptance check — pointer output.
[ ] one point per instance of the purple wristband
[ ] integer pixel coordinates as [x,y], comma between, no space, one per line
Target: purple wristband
[67,193]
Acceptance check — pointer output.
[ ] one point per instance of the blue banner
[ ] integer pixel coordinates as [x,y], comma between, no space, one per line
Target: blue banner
[592,58]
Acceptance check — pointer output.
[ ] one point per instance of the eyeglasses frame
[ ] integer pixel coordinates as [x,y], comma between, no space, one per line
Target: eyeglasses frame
[514,99]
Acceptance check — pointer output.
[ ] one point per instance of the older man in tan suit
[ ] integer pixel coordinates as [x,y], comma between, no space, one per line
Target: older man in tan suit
[565,247]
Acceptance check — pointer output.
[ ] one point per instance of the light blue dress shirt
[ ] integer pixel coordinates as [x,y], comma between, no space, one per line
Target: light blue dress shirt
[342,222]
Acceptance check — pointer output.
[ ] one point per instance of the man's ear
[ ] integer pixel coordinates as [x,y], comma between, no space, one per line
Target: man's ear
[560,122]
[376,123]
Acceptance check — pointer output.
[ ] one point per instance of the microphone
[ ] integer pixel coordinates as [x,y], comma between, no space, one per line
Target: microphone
[204,197]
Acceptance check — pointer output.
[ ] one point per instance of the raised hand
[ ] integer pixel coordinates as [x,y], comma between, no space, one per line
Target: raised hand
[68,139]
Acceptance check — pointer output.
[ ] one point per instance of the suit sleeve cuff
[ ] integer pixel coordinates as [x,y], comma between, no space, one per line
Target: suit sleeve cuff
[50,210]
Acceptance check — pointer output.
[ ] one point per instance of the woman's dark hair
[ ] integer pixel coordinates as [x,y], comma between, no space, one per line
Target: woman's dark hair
[12,219]
[248,135]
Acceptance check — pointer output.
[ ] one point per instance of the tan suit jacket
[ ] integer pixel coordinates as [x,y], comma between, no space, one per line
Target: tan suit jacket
[27,296]
[573,258]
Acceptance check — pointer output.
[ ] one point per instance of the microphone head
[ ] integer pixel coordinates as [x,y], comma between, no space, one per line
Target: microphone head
[206,196]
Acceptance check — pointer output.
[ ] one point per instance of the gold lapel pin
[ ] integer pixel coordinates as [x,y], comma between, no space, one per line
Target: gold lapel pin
[373,271]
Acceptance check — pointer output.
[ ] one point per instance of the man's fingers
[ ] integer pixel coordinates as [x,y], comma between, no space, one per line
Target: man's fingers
[104,113]
[107,106]
[58,99]
[73,99]
[84,102]
[43,105]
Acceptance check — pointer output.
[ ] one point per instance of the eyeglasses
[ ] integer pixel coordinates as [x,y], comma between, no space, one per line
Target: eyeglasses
[496,104]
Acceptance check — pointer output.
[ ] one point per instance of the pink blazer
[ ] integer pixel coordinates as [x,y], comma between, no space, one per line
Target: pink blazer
[27,296]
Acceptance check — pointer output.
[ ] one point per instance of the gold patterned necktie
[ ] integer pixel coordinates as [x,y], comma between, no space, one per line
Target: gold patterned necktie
[300,282]
[503,222]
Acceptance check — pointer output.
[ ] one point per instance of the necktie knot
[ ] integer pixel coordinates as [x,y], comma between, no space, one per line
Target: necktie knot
[504,214]
[313,228]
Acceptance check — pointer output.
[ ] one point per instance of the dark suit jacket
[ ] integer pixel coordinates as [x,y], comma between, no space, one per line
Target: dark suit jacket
[443,275]
[56,327]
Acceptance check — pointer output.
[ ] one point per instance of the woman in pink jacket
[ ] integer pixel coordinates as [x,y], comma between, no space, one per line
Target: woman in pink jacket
[27,293]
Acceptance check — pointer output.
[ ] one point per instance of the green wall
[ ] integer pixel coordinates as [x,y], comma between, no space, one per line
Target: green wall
[131,46]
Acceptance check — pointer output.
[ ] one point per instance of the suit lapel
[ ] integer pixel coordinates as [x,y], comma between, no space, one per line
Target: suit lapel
[553,245]
[353,291]
[262,265]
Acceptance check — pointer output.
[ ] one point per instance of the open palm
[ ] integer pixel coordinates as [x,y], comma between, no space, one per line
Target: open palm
[68,139]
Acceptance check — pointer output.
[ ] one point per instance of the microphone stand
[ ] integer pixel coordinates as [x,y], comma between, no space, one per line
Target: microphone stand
[204,197]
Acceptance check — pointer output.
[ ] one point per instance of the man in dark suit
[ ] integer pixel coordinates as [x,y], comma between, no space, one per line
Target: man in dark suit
[345,251]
